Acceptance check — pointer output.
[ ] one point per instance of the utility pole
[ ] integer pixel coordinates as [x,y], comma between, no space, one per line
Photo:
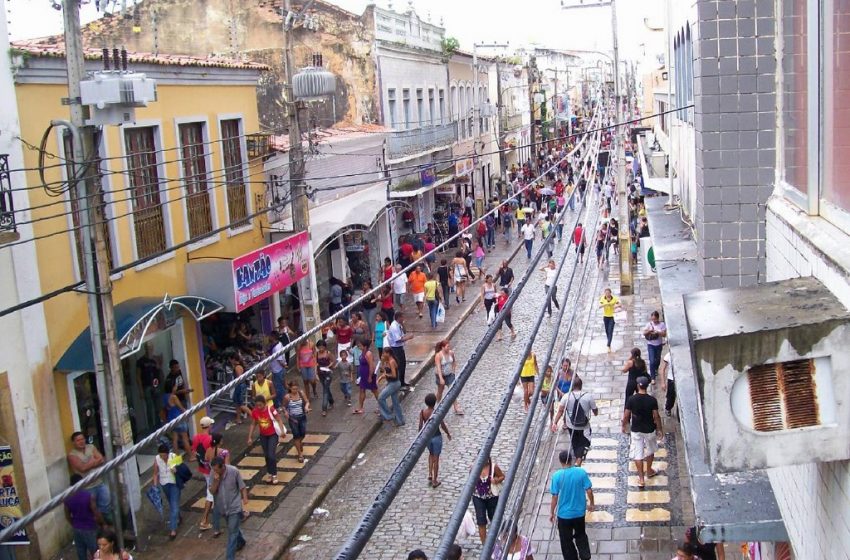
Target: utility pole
[503,161]
[626,281]
[115,423]
[300,204]
[532,79]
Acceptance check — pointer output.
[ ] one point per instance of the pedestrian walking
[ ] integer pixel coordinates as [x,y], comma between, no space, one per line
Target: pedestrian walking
[381,327]
[609,304]
[687,551]
[344,371]
[488,295]
[179,432]
[550,287]
[107,547]
[370,306]
[344,334]
[388,372]
[262,386]
[505,274]
[601,243]
[324,363]
[399,288]
[641,415]
[385,297]
[528,233]
[433,298]
[231,500]
[485,495]
[200,443]
[84,517]
[416,282]
[654,333]
[507,224]
[295,409]
[461,274]
[396,338]
[528,374]
[265,416]
[576,408]
[417,554]
[444,367]
[572,498]
[444,276]
[307,365]
[435,445]
[579,241]
[546,389]
[668,383]
[702,551]
[504,311]
[164,467]
[367,380]
[636,368]
[490,222]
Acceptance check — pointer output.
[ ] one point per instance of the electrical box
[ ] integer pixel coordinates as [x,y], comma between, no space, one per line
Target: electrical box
[114,95]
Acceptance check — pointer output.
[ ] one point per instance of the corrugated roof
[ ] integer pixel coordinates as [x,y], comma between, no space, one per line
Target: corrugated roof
[280,142]
[54,47]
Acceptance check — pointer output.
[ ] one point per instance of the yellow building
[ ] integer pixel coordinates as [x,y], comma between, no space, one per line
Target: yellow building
[178,173]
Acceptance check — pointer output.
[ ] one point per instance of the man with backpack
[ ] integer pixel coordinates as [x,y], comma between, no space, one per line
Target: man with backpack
[578,406]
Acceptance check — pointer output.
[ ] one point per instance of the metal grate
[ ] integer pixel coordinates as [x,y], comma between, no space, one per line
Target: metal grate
[784,396]
[7,206]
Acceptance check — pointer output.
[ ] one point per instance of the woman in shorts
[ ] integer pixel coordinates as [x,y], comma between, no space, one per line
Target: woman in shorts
[444,367]
[435,446]
[296,405]
[527,376]
[307,365]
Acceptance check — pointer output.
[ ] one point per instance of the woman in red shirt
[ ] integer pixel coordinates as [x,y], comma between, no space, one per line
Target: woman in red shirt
[265,417]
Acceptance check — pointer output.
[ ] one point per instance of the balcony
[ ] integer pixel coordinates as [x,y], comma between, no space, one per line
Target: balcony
[402,144]
[510,123]
[8,231]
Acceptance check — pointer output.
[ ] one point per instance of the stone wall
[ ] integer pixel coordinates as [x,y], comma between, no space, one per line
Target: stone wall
[252,30]
[735,119]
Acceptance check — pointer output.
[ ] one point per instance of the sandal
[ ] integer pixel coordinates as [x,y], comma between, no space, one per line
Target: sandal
[641,484]
[273,480]
[172,535]
[436,483]
[216,534]
[357,411]
[301,458]
[651,473]
[204,526]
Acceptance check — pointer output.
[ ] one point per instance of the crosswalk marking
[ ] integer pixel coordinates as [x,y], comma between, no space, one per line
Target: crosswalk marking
[643,516]
[648,497]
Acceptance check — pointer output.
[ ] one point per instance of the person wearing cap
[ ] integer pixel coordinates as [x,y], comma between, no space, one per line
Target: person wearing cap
[641,414]
[200,443]
[572,498]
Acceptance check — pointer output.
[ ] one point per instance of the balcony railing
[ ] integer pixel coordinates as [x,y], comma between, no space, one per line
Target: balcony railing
[511,122]
[7,207]
[199,214]
[402,143]
[150,230]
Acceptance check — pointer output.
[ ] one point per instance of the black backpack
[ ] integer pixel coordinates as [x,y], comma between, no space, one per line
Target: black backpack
[577,415]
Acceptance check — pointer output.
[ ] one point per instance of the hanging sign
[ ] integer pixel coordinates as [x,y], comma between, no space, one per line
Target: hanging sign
[10,501]
[270,270]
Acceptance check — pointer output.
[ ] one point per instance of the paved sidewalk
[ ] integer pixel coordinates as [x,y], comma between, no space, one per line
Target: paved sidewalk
[332,446]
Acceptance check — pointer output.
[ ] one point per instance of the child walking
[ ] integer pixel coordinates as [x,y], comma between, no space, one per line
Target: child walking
[345,373]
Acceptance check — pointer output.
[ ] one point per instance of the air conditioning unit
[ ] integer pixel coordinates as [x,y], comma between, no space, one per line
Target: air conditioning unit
[773,368]
[113,96]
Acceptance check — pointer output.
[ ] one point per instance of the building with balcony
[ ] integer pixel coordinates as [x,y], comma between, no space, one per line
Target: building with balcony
[515,114]
[413,93]
[179,188]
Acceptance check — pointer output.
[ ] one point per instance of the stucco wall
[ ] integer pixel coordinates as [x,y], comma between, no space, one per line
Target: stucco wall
[814,498]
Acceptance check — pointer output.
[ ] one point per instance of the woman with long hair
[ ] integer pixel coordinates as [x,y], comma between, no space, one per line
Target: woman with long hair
[635,367]
[366,378]
[444,368]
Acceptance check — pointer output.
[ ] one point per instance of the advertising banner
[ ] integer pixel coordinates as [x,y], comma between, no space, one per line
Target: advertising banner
[271,269]
[428,176]
[464,167]
[10,502]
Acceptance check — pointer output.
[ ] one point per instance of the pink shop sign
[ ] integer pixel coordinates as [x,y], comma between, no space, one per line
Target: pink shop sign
[269,270]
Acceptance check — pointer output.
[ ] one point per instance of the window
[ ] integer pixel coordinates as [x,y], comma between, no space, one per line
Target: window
[683,73]
[144,183]
[68,147]
[431,112]
[391,102]
[455,106]
[405,99]
[420,108]
[234,172]
[814,128]
[194,164]
[470,113]
[442,106]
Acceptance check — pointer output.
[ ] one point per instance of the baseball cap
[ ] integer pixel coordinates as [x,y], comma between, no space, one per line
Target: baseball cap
[206,422]
[642,381]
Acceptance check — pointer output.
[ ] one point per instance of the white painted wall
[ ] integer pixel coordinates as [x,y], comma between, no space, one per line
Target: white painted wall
[814,499]
[24,345]
[400,70]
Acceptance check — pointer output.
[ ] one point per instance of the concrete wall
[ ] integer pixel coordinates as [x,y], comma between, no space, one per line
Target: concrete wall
[734,96]
[814,498]
[250,31]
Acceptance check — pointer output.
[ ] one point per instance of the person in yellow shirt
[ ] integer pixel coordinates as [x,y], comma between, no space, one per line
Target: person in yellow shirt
[416,281]
[527,376]
[609,304]
[520,218]
[433,297]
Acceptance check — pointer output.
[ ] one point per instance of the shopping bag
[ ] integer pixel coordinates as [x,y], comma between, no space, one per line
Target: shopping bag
[491,316]
[155,497]
[441,313]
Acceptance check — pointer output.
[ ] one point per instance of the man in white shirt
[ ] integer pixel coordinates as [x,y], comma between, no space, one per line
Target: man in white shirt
[668,383]
[551,275]
[528,231]
[577,406]
[399,288]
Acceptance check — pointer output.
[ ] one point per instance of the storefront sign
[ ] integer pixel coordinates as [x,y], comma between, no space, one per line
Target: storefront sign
[464,167]
[271,269]
[447,189]
[10,501]
[428,176]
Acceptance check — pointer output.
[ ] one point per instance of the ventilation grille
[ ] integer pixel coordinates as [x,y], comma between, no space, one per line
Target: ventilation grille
[784,396]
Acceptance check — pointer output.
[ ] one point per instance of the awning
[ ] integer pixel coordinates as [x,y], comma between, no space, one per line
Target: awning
[421,190]
[134,319]
[361,209]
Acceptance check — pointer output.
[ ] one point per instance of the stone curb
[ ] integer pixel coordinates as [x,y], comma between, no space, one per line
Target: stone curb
[345,462]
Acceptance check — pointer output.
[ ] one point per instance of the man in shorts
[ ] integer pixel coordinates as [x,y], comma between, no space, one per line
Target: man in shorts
[641,414]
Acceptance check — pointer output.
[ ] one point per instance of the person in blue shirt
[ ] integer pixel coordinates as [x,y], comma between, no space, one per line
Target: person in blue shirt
[572,498]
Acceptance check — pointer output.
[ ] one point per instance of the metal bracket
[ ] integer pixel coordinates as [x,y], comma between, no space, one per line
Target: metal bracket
[72,101]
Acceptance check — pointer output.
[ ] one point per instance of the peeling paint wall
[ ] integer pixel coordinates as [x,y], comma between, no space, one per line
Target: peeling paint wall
[252,30]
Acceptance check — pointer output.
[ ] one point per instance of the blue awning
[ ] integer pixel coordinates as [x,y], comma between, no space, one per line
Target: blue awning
[133,319]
